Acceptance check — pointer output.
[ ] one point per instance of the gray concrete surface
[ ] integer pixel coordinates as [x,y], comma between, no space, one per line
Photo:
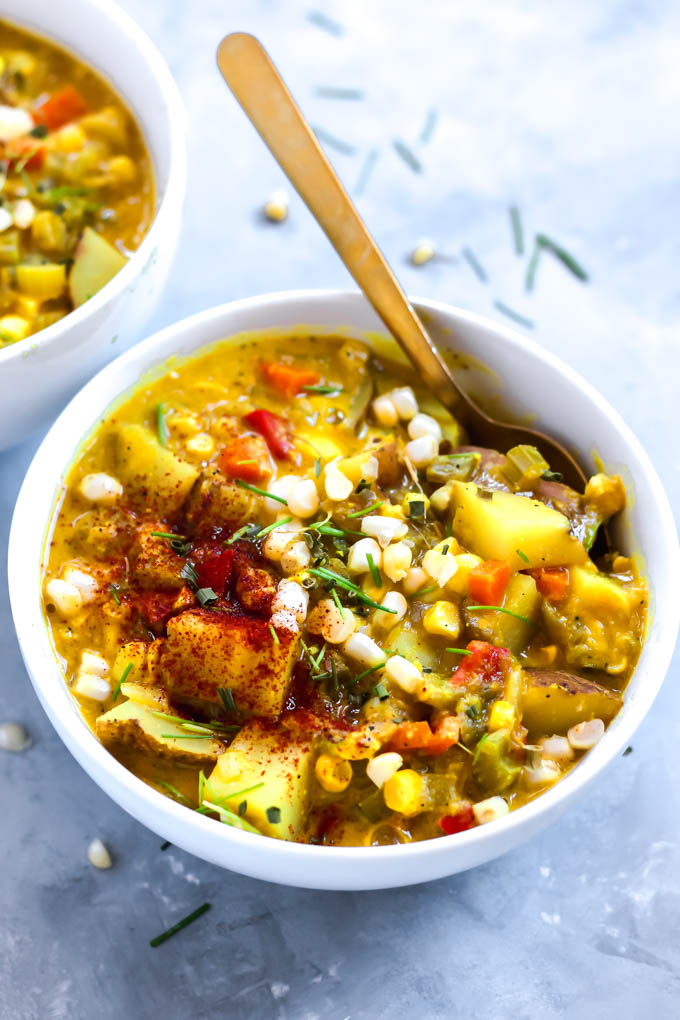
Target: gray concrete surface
[570,110]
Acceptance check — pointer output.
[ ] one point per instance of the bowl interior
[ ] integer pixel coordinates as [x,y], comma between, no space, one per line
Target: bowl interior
[532,383]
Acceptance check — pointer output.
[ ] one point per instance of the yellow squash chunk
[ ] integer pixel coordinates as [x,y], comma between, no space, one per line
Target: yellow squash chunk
[521,597]
[133,724]
[207,650]
[150,470]
[282,762]
[95,263]
[553,702]
[502,526]
[44,282]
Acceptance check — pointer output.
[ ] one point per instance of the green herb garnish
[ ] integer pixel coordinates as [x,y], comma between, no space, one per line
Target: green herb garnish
[342,582]
[363,484]
[275,636]
[162,425]
[123,677]
[201,784]
[408,155]
[324,390]
[174,791]
[380,691]
[367,672]
[552,476]
[164,846]
[500,609]
[114,593]
[317,467]
[336,599]
[188,573]
[423,591]
[273,815]
[39,131]
[512,314]
[248,531]
[375,573]
[193,916]
[475,265]
[273,527]
[227,698]
[260,492]
[458,651]
[522,555]
[517,232]
[367,509]
[206,596]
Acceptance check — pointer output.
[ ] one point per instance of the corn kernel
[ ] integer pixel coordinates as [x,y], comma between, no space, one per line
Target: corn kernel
[502,716]
[334,774]
[276,207]
[13,328]
[121,170]
[48,231]
[443,619]
[606,493]
[184,424]
[70,138]
[403,792]
[202,444]
[396,561]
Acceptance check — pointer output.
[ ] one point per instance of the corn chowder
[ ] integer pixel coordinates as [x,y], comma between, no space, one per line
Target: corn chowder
[288,592]
[76,185]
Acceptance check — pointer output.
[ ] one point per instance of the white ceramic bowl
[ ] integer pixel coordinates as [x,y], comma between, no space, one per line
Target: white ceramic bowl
[38,374]
[537,383]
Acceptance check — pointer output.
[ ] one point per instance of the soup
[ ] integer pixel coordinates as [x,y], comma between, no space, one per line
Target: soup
[290,592]
[76,184]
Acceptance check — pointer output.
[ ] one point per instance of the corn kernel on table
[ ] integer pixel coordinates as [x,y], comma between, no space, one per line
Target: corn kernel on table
[439,117]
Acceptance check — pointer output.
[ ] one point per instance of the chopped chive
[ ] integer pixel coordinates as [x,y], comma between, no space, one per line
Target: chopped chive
[273,815]
[335,92]
[458,651]
[330,575]
[261,492]
[517,232]
[363,485]
[367,509]
[423,591]
[174,791]
[114,593]
[366,171]
[336,599]
[375,573]
[324,390]
[429,126]
[317,466]
[501,609]
[242,808]
[565,258]
[227,698]
[180,721]
[164,846]
[274,526]
[335,143]
[162,425]
[188,573]
[380,691]
[189,736]
[322,20]
[205,596]
[251,530]
[367,672]
[317,661]
[197,728]
[522,555]
[193,916]
[475,265]
[39,131]
[512,314]
[408,156]
[275,636]
[124,675]
[532,267]
[201,784]
[169,535]
[238,793]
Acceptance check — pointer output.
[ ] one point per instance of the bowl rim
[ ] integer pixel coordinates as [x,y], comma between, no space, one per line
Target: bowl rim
[141,800]
[173,192]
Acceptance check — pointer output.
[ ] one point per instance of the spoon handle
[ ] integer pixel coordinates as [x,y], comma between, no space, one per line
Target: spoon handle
[259,88]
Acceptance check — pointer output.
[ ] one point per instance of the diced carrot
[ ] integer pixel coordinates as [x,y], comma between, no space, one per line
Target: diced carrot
[288,380]
[417,736]
[487,582]
[551,582]
[60,108]
[18,149]
[247,458]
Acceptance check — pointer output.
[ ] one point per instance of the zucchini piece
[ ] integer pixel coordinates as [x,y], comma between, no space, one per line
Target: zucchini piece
[94,264]
[504,524]
[133,724]
[207,651]
[521,597]
[151,470]
[459,466]
[492,770]
[554,701]
[282,762]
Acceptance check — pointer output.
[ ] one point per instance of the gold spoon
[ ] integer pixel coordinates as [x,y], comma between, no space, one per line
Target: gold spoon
[259,88]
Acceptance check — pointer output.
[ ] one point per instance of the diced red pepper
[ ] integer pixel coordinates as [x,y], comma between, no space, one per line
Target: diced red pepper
[18,149]
[551,582]
[288,380]
[462,820]
[418,736]
[60,108]
[274,430]
[487,582]
[485,665]
[247,458]
[215,570]
[156,606]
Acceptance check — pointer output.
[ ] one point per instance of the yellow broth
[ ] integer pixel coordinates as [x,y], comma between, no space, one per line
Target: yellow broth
[77,190]
[187,623]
